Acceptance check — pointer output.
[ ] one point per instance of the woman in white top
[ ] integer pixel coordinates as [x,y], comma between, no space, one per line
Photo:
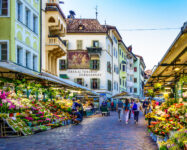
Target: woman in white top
[136,108]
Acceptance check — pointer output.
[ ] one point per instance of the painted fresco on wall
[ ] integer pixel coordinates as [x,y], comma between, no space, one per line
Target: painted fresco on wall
[78,60]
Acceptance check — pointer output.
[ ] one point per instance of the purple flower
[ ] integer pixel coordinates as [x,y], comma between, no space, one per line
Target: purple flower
[1,104]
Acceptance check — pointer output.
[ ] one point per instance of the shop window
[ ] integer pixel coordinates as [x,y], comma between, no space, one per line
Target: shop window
[27,17]
[35,24]
[3,51]
[35,62]
[109,85]
[135,90]
[19,55]
[95,44]
[4,7]
[135,80]
[79,44]
[108,67]
[135,69]
[79,81]
[62,64]
[95,83]
[94,64]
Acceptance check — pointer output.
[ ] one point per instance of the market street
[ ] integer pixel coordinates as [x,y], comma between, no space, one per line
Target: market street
[95,133]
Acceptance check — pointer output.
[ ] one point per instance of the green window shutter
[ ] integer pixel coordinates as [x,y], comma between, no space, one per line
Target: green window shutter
[108,67]
[91,83]
[75,80]
[98,83]
[98,65]
[82,82]
[66,64]
[91,64]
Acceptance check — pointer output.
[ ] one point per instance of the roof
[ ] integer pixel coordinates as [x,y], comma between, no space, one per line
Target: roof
[54,7]
[173,63]
[108,27]
[89,26]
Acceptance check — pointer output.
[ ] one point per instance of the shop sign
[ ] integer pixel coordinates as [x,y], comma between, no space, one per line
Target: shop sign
[85,73]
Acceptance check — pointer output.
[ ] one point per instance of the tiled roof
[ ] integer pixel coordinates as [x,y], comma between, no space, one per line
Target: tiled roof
[88,26]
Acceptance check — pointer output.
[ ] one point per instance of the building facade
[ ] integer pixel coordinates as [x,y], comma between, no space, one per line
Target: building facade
[20,32]
[131,58]
[53,31]
[90,60]
[123,66]
[139,67]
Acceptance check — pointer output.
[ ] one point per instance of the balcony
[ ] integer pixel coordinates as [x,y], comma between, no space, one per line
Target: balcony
[56,46]
[55,18]
[53,1]
[94,50]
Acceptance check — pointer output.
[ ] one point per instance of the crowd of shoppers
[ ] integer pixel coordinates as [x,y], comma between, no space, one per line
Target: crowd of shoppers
[128,108]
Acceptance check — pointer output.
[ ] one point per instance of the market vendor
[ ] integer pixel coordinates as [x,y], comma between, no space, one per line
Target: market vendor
[75,104]
[77,117]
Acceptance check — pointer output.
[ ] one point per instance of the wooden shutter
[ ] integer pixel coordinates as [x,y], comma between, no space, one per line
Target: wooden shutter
[98,83]
[98,64]
[91,64]
[91,83]
[82,82]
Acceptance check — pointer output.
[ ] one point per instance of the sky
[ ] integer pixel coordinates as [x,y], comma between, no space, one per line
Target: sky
[137,14]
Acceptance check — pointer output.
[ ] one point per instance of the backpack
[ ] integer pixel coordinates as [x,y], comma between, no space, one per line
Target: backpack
[127,107]
[135,107]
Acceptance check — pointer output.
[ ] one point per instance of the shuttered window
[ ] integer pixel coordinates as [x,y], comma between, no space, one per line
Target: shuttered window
[95,83]
[3,51]
[62,64]
[79,44]
[109,85]
[108,67]
[19,55]
[79,81]
[95,64]
[95,44]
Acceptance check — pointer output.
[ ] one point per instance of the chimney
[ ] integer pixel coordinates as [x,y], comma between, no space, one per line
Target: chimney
[130,48]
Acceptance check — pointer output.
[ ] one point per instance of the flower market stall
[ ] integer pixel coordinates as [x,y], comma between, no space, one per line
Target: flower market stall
[167,123]
[31,103]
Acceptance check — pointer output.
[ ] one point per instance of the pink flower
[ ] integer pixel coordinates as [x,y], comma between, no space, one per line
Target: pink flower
[1,104]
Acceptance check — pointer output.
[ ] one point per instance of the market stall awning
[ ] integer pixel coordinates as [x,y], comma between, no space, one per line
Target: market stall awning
[120,95]
[173,64]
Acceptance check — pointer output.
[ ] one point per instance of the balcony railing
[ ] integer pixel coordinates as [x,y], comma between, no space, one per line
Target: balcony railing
[94,50]
[56,41]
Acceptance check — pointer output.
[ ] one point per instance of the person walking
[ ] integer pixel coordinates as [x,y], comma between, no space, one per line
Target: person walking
[126,108]
[119,109]
[112,106]
[130,111]
[136,108]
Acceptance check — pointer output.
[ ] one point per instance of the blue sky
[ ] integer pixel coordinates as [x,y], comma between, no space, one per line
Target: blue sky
[135,14]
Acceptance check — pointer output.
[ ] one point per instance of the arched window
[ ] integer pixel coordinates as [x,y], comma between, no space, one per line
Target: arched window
[51,19]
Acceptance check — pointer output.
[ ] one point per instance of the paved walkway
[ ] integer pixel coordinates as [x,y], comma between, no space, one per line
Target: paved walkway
[96,133]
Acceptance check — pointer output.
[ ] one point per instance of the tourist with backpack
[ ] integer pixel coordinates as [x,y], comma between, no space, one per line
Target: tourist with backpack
[126,108]
[119,109]
[136,108]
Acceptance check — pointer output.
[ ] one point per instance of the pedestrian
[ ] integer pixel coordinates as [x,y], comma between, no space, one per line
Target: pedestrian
[131,105]
[119,109]
[112,105]
[75,104]
[146,106]
[126,108]
[136,108]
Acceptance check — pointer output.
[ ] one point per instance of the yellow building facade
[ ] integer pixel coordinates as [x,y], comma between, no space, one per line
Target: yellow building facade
[53,30]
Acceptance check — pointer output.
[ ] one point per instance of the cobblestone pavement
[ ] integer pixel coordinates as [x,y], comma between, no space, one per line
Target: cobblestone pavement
[95,133]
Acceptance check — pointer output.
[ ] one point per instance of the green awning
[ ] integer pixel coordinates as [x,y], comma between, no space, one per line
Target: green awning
[64,76]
